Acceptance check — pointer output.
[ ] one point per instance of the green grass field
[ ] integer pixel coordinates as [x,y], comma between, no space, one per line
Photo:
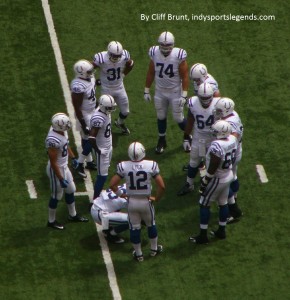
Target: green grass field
[251,62]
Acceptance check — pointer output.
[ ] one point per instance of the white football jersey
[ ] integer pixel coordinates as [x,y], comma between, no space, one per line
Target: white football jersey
[225,149]
[236,124]
[209,79]
[86,87]
[103,122]
[167,68]
[203,117]
[109,202]
[138,176]
[59,142]
[111,73]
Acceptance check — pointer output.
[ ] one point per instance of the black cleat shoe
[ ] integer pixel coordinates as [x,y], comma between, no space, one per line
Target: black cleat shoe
[199,239]
[139,258]
[221,234]
[91,166]
[124,129]
[115,239]
[77,218]
[187,188]
[156,252]
[235,213]
[81,170]
[161,145]
[55,225]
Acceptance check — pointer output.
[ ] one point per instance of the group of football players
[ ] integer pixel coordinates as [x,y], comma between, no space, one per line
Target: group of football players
[212,135]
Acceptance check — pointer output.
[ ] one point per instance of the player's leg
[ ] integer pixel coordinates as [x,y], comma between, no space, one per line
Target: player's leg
[123,103]
[161,107]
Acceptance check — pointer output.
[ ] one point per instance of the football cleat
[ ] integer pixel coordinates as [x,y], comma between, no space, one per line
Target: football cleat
[187,188]
[77,218]
[124,129]
[91,166]
[81,170]
[115,239]
[199,239]
[161,145]
[156,252]
[221,234]
[139,258]
[235,213]
[55,225]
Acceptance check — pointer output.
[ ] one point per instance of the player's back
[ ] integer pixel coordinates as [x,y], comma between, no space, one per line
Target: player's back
[138,176]
[87,88]
[102,121]
[59,142]
[225,149]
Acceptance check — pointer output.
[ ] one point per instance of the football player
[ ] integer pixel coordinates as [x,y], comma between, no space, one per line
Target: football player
[84,102]
[224,110]
[138,174]
[61,180]
[100,137]
[216,183]
[200,118]
[106,212]
[169,69]
[114,65]
[198,75]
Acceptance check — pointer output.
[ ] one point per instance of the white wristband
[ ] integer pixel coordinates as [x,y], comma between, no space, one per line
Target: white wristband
[147,90]
[208,175]
[184,94]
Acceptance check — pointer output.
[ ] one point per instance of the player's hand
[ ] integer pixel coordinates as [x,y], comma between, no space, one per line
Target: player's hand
[182,101]
[147,96]
[63,183]
[203,185]
[104,151]
[74,163]
[86,130]
[187,145]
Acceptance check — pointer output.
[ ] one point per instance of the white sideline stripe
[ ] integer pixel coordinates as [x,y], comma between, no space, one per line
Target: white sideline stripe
[31,189]
[262,174]
[81,194]
[88,181]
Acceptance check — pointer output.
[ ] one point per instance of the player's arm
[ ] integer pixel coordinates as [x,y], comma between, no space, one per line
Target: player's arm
[183,73]
[77,100]
[217,93]
[114,182]
[212,168]
[189,124]
[128,67]
[52,154]
[160,188]
[92,138]
[150,75]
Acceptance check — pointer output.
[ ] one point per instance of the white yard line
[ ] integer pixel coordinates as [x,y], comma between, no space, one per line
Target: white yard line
[262,174]
[88,181]
[31,189]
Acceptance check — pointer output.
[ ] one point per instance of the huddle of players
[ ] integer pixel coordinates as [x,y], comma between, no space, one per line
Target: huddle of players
[216,141]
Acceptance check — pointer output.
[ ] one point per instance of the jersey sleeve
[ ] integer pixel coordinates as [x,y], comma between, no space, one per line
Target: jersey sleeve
[120,170]
[181,54]
[78,88]
[216,149]
[97,122]
[126,55]
[98,59]
[52,142]
[151,51]
[155,169]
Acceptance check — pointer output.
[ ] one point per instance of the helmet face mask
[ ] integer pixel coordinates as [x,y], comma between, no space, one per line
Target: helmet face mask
[221,129]
[115,51]
[60,122]
[84,69]
[136,151]
[198,73]
[223,108]
[166,42]
[205,94]
[107,104]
